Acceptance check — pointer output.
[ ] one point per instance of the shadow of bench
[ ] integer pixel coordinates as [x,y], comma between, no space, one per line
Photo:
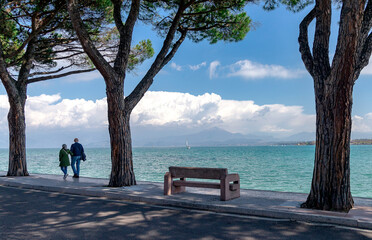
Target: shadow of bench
[229,184]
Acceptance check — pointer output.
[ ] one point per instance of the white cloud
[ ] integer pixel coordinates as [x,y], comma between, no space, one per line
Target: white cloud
[53,112]
[197,67]
[168,108]
[175,66]
[362,124]
[252,70]
[213,68]
[245,69]
[165,109]
[4,104]
[367,70]
[210,110]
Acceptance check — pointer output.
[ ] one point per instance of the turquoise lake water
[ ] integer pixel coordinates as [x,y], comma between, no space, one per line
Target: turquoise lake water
[277,168]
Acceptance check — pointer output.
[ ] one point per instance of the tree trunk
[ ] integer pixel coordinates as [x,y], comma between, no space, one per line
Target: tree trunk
[17,138]
[330,188]
[122,173]
[333,84]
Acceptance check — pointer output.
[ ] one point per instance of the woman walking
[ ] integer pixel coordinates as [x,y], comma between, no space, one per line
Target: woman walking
[64,160]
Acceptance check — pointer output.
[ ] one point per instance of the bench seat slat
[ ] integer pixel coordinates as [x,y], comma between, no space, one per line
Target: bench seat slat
[180,183]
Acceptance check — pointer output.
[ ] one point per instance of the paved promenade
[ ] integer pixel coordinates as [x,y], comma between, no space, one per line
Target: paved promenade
[271,204]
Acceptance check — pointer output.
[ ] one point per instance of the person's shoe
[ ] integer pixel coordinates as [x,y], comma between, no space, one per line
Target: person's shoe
[65,176]
[75,176]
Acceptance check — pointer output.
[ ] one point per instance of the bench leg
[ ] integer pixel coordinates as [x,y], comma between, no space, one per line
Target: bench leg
[168,182]
[226,193]
[178,189]
[224,190]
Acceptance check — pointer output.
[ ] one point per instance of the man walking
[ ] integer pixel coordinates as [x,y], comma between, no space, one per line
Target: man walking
[77,151]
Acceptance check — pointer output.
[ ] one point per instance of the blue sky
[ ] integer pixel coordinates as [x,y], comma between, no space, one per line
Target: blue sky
[230,86]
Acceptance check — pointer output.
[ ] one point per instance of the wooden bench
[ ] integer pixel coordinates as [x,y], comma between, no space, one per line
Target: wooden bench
[228,190]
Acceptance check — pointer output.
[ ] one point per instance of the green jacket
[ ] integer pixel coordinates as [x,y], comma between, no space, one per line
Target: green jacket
[64,160]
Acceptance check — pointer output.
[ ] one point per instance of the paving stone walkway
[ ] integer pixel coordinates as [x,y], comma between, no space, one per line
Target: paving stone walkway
[271,204]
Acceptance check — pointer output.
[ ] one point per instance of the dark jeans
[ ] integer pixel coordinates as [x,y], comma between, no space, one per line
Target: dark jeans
[75,160]
[64,170]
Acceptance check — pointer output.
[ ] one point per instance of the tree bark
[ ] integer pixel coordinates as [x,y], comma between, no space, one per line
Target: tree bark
[333,86]
[17,137]
[17,94]
[122,173]
[330,188]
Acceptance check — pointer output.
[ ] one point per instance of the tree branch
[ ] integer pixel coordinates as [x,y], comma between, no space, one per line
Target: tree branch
[322,33]
[34,33]
[363,59]
[364,41]
[56,27]
[8,82]
[117,16]
[27,62]
[206,12]
[207,27]
[174,49]
[98,60]
[39,79]
[51,72]
[132,100]
[126,32]
[68,56]
[161,59]
[303,40]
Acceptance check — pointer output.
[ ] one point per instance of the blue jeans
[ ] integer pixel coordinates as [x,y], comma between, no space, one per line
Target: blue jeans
[64,170]
[76,160]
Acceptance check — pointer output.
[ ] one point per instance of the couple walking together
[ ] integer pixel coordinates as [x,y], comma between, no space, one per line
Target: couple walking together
[77,153]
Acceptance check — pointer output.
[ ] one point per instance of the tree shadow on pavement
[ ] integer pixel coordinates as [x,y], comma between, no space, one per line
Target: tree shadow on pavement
[30,214]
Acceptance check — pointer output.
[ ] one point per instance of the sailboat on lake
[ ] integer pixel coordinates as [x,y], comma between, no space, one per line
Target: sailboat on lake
[187,145]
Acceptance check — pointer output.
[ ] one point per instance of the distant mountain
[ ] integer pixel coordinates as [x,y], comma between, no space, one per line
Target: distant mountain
[301,137]
[360,135]
[210,137]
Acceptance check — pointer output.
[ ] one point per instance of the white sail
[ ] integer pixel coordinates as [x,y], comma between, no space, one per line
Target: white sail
[187,145]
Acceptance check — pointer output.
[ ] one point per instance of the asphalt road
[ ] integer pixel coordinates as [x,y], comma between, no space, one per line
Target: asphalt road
[30,214]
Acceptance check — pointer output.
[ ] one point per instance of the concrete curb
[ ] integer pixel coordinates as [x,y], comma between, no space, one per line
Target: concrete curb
[117,194]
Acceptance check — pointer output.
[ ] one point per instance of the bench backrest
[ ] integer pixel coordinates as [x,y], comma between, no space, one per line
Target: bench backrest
[194,172]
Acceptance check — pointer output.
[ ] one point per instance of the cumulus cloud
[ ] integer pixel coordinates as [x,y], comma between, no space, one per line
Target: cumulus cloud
[210,110]
[169,108]
[53,112]
[252,70]
[164,109]
[213,69]
[175,66]
[197,67]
